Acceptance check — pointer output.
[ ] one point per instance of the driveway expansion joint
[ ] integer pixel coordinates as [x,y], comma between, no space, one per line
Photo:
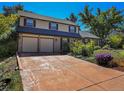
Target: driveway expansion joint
[101,82]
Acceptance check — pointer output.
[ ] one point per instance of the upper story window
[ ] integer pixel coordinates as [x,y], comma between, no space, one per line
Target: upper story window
[53,26]
[29,22]
[72,29]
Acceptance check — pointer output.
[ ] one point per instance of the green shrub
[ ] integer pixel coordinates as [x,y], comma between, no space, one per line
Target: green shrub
[65,47]
[97,47]
[8,49]
[84,51]
[88,49]
[115,41]
[76,48]
[106,47]
[123,46]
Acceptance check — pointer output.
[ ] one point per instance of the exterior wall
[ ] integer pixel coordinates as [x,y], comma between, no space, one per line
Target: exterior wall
[57,44]
[63,27]
[19,43]
[42,24]
[77,29]
[21,23]
[45,25]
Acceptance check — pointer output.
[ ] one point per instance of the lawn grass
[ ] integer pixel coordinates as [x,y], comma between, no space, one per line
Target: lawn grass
[11,72]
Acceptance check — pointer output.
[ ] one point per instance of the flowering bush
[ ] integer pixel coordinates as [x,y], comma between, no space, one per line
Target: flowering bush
[103,59]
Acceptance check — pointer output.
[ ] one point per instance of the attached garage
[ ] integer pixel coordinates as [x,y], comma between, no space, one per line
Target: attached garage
[40,44]
[42,40]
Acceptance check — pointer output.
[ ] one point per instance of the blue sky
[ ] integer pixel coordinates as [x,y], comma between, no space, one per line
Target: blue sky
[62,10]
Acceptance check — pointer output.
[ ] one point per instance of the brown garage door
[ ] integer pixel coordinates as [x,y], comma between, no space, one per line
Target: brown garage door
[29,44]
[46,45]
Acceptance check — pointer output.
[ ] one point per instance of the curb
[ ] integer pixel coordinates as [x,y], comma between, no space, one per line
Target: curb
[18,61]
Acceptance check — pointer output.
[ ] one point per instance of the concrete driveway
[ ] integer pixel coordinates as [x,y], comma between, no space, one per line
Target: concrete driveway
[67,73]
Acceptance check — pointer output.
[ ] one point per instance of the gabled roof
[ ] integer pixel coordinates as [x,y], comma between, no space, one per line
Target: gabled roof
[37,16]
[113,32]
[39,31]
[85,34]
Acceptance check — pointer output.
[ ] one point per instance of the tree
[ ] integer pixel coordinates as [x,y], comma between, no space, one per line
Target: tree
[72,18]
[103,22]
[7,24]
[12,9]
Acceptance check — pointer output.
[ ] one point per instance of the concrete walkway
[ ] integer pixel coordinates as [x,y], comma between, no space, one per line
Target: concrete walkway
[67,73]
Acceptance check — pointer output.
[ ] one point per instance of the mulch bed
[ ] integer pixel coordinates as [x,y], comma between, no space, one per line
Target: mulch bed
[119,68]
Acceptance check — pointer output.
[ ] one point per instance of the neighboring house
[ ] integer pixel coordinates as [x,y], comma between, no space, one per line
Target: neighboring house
[87,36]
[113,32]
[42,34]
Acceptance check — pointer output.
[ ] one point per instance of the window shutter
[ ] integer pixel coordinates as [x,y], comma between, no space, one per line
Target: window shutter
[75,29]
[24,21]
[69,28]
[34,23]
[57,26]
[49,25]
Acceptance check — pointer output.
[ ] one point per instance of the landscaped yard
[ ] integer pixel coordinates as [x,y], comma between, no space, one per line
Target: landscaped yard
[118,57]
[9,74]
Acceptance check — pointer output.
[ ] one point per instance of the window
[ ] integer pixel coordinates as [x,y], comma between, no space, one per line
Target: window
[53,26]
[29,22]
[72,29]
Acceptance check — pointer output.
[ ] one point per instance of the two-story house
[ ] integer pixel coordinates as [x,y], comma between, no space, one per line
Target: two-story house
[43,34]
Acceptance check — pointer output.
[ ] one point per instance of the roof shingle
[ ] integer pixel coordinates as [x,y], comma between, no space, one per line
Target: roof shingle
[85,34]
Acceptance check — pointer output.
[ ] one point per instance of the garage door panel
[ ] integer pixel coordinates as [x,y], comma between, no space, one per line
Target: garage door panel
[29,44]
[46,45]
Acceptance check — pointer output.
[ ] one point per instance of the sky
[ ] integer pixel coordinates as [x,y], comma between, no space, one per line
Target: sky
[61,9]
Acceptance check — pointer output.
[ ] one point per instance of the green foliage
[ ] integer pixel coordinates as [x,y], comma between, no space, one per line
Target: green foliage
[8,68]
[102,22]
[123,46]
[106,47]
[115,41]
[72,18]
[97,47]
[118,55]
[76,48]
[12,9]
[7,24]
[65,47]
[88,48]
[8,48]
